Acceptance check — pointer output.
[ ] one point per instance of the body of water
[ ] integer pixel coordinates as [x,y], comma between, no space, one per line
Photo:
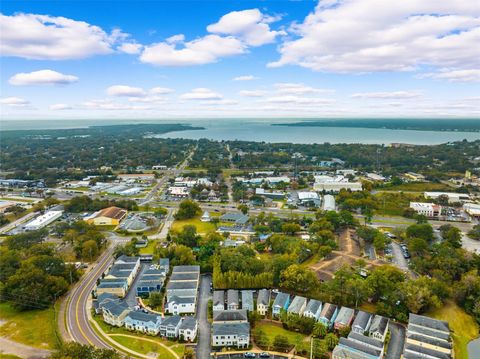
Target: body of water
[261,130]
[474,349]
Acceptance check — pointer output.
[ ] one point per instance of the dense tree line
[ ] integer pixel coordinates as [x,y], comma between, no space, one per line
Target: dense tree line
[86,204]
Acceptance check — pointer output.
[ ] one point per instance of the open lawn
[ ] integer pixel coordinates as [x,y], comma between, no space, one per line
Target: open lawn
[419,187]
[202,227]
[395,204]
[149,248]
[462,325]
[35,328]
[272,330]
[143,346]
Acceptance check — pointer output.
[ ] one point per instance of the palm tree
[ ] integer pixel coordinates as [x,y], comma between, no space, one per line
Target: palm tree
[319,330]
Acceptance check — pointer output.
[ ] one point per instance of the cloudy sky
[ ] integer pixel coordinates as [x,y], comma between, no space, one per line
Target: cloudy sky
[165,59]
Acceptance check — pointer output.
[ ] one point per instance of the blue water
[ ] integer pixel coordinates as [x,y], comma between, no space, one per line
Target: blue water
[261,130]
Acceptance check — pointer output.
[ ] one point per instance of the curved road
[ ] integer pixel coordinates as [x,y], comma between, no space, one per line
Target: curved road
[77,322]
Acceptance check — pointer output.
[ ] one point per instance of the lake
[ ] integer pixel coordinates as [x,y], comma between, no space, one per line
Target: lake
[261,130]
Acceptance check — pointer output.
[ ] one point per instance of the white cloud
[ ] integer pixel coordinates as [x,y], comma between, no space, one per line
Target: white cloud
[291,99]
[245,78]
[204,50]
[250,25]
[44,37]
[130,48]
[112,106]
[201,94]
[387,95]
[175,39]
[148,99]
[161,90]
[368,36]
[125,91]
[41,77]
[253,93]
[472,75]
[14,102]
[60,106]
[298,89]
[220,102]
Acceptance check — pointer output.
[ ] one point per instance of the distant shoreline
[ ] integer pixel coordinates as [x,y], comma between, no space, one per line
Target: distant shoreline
[403,124]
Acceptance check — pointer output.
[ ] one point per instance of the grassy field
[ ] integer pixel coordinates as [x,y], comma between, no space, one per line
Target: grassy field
[149,248]
[419,187]
[8,356]
[395,204]
[143,346]
[272,330]
[202,227]
[35,328]
[463,326]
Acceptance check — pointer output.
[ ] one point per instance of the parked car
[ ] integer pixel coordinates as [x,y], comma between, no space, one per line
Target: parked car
[249,355]
[264,355]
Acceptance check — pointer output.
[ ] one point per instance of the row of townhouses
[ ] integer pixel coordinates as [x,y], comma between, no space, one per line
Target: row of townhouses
[118,279]
[116,312]
[230,328]
[182,290]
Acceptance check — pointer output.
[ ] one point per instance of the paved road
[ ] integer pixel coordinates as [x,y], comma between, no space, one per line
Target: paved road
[77,321]
[204,345]
[16,223]
[398,257]
[397,339]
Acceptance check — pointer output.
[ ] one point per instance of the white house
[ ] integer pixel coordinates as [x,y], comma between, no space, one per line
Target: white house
[114,312]
[143,322]
[231,335]
[313,309]
[263,301]
[181,305]
[170,326]
[188,328]
[218,300]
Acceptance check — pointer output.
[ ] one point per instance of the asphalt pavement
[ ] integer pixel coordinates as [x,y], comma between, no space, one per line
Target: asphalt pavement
[397,339]
[204,295]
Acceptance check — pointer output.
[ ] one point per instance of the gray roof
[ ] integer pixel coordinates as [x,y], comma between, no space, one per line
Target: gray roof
[151,271]
[178,276]
[230,315]
[127,259]
[218,297]
[106,297]
[231,329]
[426,351]
[281,299]
[182,300]
[263,296]
[297,304]
[428,322]
[188,322]
[239,218]
[144,317]
[362,319]
[186,269]
[345,314]
[116,307]
[119,273]
[428,332]
[116,284]
[328,311]
[366,340]
[430,340]
[348,343]
[164,261]
[379,324]
[232,296]
[171,321]
[313,306]
[247,298]
[182,285]
[124,266]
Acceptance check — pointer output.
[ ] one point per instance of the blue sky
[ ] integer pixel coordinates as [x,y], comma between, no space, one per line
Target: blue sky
[167,59]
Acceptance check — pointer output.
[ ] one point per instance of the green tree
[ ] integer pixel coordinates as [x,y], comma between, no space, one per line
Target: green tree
[331,340]
[74,350]
[474,233]
[155,300]
[260,338]
[297,278]
[422,230]
[290,228]
[281,343]
[187,209]
[320,330]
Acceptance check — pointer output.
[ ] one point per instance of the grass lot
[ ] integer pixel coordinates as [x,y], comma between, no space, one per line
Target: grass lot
[144,347]
[272,330]
[8,356]
[149,248]
[463,326]
[368,307]
[419,187]
[35,328]
[17,199]
[395,204]
[202,227]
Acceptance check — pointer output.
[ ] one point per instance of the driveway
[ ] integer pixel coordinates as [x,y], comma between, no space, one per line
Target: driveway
[398,257]
[203,346]
[131,297]
[397,339]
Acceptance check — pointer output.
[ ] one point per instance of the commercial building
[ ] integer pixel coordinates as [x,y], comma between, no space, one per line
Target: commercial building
[429,210]
[452,197]
[329,203]
[110,216]
[43,220]
[334,184]
[308,199]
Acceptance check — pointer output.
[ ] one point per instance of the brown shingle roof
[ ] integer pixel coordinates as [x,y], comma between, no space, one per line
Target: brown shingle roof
[112,212]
